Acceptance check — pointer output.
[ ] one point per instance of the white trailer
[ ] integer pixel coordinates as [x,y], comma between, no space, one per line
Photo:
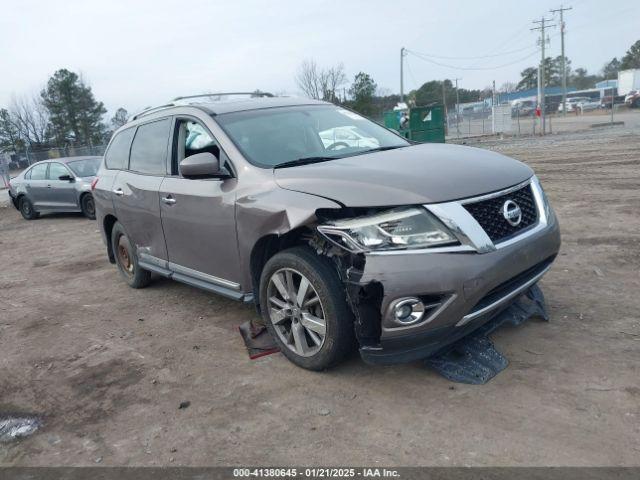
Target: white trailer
[628,80]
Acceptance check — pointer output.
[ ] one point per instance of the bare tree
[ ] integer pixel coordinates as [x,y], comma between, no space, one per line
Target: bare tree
[31,119]
[308,79]
[508,87]
[332,79]
[320,83]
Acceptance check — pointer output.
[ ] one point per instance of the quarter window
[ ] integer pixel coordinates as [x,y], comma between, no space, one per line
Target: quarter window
[117,157]
[39,172]
[56,170]
[149,149]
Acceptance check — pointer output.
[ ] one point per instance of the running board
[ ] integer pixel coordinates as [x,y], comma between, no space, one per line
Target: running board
[196,282]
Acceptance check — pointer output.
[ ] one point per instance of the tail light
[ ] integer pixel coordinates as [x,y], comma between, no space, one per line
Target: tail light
[94,183]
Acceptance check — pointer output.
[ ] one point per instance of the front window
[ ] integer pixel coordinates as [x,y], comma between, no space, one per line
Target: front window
[85,168]
[57,170]
[275,136]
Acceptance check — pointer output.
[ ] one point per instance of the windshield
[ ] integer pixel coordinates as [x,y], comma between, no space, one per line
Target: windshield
[275,136]
[85,168]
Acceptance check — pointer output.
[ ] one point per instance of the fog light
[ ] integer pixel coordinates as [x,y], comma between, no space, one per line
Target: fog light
[408,310]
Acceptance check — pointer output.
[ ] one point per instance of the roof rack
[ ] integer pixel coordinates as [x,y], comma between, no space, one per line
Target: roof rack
[175,101]
[148,110]
[257,93]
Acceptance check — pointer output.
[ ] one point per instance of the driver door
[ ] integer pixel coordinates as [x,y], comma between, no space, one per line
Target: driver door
[61,194]
[198,216]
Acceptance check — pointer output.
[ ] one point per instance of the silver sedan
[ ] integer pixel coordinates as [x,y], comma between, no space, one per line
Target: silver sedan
[56,185]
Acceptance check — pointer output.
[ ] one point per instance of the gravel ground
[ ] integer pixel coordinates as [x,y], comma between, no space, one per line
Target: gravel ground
[107,367]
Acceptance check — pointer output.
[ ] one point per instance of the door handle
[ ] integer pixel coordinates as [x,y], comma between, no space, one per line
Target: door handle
[48,186]
[118,192]
[169,200]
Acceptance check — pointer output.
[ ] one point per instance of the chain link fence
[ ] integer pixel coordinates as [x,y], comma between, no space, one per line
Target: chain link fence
[22,159]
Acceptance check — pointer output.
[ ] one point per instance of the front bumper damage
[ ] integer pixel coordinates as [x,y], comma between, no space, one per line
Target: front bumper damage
[474,288]
[471,290]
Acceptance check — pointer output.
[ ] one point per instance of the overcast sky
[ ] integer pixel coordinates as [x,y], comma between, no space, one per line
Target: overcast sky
[139,53]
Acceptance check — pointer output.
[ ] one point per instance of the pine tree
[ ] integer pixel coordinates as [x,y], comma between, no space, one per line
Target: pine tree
[75,115]
[631,58]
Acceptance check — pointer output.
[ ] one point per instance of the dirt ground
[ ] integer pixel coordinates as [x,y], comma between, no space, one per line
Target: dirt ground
[107,366]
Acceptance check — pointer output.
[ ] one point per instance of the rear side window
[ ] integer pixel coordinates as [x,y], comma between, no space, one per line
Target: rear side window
[117,157]
[149,149]
[39,172]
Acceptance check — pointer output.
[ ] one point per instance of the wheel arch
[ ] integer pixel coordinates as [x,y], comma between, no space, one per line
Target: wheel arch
[266,247]
[82,195]
[107,225]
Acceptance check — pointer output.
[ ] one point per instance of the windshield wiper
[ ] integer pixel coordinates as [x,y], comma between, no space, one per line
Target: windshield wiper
[380,149]
[304,161]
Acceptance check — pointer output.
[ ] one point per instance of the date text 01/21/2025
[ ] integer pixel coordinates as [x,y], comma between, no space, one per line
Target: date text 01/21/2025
[317,472]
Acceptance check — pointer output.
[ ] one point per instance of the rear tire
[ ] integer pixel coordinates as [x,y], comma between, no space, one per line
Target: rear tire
[297,321]
[127,260]
[88,206]
[26,209]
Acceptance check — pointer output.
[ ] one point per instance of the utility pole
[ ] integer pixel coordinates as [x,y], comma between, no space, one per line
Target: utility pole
[457,108]
[493,108]
[541,73]
[402,55]
[444,105]
[564,67]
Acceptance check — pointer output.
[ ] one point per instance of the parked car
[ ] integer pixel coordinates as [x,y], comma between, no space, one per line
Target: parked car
[406,247]
[56,185]
[588,105]
[523,108]
[605,102]
[573,102]
[633,99]
[343,137]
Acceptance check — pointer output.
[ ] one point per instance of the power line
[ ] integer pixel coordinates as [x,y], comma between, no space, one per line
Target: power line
[415,83]
[455,67]
[473,58]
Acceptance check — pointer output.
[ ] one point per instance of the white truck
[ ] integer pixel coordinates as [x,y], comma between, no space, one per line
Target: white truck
[628,80]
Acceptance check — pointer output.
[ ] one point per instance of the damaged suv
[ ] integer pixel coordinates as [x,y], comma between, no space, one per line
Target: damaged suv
[398,248]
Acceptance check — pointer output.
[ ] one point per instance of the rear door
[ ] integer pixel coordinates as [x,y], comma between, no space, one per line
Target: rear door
[61,194]
[198,215]
[136,197]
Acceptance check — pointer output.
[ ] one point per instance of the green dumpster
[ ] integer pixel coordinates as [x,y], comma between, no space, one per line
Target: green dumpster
[426,124]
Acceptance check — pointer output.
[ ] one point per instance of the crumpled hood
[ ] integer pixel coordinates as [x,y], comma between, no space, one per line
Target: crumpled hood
[426,173]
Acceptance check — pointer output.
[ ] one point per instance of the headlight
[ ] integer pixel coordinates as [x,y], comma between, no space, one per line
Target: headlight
[390,230]
[541,196]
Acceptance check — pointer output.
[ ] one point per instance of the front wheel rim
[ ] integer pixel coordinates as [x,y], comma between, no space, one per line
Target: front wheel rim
[296,312]
[26,208]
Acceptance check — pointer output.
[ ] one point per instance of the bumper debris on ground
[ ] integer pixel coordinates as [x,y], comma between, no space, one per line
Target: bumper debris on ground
[474,359]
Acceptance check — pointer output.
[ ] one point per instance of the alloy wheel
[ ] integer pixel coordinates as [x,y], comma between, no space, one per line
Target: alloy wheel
[296,312]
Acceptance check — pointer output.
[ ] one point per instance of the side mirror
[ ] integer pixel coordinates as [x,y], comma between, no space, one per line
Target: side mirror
[66,178]
[203,164]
